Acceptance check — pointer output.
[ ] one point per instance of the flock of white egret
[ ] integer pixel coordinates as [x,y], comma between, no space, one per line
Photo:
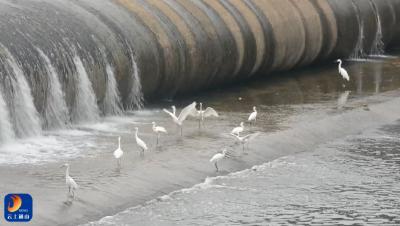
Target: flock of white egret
[200,114]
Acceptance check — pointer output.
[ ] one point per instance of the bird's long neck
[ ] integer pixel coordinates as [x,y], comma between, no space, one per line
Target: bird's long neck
[136,134]
[67,172]
[119,143]
[340,65]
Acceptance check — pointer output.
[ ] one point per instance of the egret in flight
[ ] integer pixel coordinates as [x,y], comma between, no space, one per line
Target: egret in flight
[342,71]
[218,157]
[200,114]
[118,152]
[158,130]
[140,142]
[253,115]
[188,110]
[244,139]
[239,129]
[70,182]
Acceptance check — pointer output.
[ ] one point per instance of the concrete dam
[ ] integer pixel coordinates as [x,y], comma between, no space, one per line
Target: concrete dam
[65,62]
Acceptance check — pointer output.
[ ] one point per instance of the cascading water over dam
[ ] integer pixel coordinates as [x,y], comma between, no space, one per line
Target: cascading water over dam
[64,62]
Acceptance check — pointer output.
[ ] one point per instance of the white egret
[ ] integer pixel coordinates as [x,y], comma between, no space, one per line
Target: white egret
[118,152]
[343,71]
[70,182]
[173,109]
[188,110]
[253,115]
[244,139]
[239,129]
[218,157]
[140,142]
[158,130]
[200,114]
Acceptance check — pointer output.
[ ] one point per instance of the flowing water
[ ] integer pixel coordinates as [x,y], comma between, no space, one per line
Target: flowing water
[25,118]
[6,132]
[378,46]
[327,153]
[56,111]
[351,181]
[85,109]
[112,101]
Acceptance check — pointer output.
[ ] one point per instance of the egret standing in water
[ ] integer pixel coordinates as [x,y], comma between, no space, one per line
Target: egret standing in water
[158,130]
[118,152]
[188,110]
[342,71]
[140,142]
[253,115]
[70,182]
[200,114]
[218,157]
[244,139]
[238,130]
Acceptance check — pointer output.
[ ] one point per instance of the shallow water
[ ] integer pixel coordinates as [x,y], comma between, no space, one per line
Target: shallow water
[306,119]
[354,181]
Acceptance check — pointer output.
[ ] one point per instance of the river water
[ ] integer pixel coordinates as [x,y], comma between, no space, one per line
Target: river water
[325,154]
[352,181]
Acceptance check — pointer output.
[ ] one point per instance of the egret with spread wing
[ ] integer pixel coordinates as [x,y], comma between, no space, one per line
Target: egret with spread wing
[188,110]
[244,139]
[201,114]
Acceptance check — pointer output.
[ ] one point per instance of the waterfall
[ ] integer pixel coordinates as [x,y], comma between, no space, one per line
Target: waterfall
[22,110]
[136,95]
[358,51]
[85,109]
[6,130]
[56,111]
[112,101]
[378,46]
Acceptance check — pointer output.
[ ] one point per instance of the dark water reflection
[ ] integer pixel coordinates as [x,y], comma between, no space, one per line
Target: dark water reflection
[311,85]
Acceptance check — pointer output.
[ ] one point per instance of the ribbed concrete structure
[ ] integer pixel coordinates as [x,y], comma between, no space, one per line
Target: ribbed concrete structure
[163,48]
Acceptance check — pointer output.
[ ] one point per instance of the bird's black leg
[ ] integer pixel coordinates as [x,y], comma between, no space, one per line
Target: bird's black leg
[216,166]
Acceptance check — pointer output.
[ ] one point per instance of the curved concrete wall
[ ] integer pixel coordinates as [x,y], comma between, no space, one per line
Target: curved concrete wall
[180,46]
